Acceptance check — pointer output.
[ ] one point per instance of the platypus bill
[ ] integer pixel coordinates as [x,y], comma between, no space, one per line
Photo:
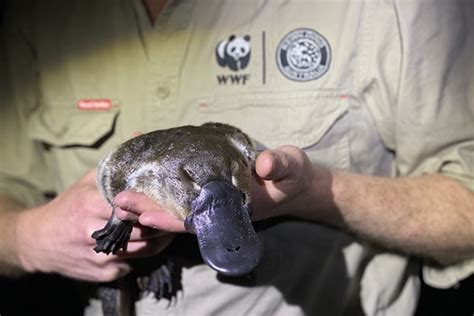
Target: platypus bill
[200,174]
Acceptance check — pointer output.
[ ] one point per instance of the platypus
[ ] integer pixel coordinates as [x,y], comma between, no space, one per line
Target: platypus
[199,174]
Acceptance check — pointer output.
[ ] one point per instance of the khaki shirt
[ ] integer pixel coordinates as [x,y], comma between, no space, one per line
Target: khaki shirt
[375,87]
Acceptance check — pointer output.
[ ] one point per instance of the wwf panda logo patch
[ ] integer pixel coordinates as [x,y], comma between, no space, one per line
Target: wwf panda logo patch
[303,55]
[234,52]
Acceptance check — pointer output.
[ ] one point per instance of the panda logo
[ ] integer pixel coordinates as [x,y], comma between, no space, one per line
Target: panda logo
[234,52]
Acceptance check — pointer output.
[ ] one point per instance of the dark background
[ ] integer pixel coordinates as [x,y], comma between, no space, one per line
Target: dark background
[53,295]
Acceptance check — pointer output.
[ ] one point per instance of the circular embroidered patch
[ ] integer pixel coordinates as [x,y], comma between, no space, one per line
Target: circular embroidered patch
[303,55]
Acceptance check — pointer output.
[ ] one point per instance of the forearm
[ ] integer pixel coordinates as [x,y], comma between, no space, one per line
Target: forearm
[9,214]
[431,216]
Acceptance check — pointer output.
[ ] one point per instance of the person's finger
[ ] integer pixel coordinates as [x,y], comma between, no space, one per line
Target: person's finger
[147,248]
[134,202]
[142,233]
[112,271]
[276,164]
[150,214]
[161,220]
[126,215]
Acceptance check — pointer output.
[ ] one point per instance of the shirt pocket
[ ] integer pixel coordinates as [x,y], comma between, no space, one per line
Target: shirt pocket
[312,120]
[74,141]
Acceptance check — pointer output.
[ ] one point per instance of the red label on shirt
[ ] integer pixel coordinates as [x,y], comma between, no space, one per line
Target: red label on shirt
[94,104]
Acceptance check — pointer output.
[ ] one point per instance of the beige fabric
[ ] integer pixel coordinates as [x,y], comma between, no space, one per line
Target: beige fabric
[396,100]
[449,276]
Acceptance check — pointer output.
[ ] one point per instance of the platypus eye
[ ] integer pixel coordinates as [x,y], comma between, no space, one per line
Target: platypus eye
[188,223]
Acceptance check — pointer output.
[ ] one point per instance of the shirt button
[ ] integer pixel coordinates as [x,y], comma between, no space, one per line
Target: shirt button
[163,92]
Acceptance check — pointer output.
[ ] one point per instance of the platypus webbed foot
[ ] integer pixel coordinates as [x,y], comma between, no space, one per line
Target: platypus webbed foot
[221,220]
[110,297]
[114,236]
[163,282]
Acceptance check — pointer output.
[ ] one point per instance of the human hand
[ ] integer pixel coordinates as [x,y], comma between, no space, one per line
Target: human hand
[138,207]
[282,182]
[56,237]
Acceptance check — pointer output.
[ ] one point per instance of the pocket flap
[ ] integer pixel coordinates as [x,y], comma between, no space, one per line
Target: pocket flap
[69,127]
[297,118]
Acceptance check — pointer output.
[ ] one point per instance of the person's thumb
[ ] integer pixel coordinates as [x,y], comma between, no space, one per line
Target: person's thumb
[277,164]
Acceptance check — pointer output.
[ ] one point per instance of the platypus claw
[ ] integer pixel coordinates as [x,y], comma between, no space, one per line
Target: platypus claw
[113,237]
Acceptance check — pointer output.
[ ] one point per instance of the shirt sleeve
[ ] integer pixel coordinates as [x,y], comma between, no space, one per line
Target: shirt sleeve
[23,171]
[434,130]
[434,125]
[421,95]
